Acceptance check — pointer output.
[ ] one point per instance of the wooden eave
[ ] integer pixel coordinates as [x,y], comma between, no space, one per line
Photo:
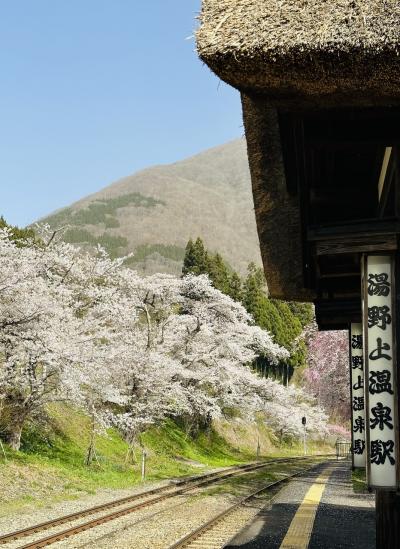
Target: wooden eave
[343,165]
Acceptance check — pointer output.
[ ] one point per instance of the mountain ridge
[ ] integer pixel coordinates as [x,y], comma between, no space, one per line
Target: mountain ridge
[157,209]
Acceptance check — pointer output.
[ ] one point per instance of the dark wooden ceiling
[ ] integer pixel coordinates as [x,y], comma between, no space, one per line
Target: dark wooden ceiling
[333,163]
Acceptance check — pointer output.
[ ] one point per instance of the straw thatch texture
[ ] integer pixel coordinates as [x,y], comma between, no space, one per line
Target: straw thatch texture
[277,213]
[346,50]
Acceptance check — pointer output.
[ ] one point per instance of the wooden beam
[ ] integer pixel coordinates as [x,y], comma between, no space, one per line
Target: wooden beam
[387,183]
[384,168]
[356,245]
[337,314]
[356,229]
[335,196]
[339,275]
[347,127]
[396,162]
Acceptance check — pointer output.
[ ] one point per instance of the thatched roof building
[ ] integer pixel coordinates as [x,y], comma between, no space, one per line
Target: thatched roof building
[320,87]
[319,51]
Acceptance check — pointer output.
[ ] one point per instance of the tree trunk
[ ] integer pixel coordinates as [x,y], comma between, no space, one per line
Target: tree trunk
[91,451]
[13,437]
[130,453]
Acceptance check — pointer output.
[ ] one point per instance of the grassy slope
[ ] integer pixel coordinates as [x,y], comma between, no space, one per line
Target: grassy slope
[50,465]
[359,481]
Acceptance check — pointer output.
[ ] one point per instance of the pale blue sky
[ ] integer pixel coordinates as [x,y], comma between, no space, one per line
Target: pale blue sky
[93,90]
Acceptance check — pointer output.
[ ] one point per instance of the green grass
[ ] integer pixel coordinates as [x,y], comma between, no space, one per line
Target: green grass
[359,481]
[50,465]
[207,448]
[296,449]
[275,471]
[60,446]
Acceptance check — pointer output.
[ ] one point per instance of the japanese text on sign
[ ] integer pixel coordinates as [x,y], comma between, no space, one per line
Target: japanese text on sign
[379,382]
[357,395]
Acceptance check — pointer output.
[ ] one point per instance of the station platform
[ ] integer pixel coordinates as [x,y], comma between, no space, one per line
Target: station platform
[317,510]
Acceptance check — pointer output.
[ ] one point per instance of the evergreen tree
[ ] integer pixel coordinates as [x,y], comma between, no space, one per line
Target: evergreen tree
[277,317]
[253,291]
[292,325]
[303,311]
[189,261]
[219,273]
[20,236]
[284,320]
[235,287]
[201,257]
[196,259]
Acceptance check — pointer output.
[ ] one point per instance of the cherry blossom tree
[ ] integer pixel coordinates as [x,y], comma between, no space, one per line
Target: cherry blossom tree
[36,331]
[55,306]
[202,343]
[327,377]
[77,325]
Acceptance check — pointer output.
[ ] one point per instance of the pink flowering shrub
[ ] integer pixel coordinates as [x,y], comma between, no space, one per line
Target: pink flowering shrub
[327,376]
[339,431]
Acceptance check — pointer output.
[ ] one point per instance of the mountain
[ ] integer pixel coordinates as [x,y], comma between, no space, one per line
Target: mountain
[154,212]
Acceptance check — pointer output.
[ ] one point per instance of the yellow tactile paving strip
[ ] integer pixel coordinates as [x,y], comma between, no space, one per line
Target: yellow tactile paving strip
[300,529]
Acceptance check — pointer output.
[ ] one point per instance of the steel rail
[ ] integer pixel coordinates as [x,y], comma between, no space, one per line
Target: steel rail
[188,484]
[207,526]
[58,536]
[116,503]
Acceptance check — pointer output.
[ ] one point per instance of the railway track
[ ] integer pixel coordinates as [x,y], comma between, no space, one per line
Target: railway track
[114,503]
[162,493]
[140,500]
[216,532]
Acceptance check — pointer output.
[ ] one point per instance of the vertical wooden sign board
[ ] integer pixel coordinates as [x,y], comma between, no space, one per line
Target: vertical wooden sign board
[357,396]
[380,374]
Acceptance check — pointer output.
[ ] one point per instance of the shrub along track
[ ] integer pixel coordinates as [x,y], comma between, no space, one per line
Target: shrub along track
[162,493]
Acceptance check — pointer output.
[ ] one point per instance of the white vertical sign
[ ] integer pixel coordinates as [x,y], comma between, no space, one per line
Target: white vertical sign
[357,395]
[380,384]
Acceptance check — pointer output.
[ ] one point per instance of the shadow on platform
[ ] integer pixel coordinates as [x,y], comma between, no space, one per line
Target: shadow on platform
[335,527]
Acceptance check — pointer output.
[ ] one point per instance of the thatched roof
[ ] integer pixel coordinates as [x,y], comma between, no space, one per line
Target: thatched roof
[333,49]
[277,212]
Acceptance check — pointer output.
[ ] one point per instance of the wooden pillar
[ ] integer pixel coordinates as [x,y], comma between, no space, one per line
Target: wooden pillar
[387,520]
